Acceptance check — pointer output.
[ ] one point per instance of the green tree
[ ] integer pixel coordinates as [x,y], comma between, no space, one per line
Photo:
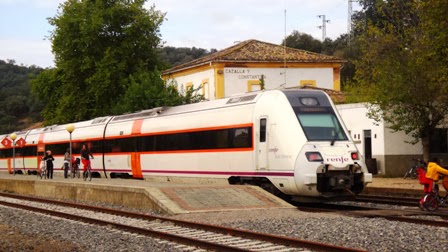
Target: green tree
[148,90]
[18,108]
[303,41]
[403,70]
[100,47]
[173,56]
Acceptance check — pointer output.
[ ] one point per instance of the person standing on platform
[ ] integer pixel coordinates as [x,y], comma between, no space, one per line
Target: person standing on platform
[48,158]
[66,162]
[85,156]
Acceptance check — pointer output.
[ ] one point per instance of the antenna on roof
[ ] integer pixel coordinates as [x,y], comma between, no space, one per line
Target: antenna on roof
[284,50]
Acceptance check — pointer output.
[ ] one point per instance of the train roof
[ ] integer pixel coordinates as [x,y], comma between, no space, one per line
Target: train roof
[235,100]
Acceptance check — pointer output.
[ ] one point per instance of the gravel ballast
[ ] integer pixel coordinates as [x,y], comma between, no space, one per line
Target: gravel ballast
[44,233]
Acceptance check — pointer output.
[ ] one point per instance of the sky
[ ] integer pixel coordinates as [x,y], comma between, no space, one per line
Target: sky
[207,24]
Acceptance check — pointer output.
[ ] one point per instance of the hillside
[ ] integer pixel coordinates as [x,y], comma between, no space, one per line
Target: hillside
[18,108]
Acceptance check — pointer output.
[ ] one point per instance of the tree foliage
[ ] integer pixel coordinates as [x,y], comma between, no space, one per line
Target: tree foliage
[16,101]
[173,56]
[148,90]
[403,70]
[337,48]
[303,41]
[102,49]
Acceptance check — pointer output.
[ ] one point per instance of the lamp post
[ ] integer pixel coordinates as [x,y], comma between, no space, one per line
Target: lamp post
[70,128]
[13,137]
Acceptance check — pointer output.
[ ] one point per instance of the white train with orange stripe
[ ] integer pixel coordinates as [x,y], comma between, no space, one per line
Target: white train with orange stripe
[287,141]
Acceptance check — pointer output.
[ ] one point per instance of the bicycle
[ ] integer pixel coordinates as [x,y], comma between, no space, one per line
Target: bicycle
[87,173]
[412,173]
[43,171]
[75,168]
[433,200]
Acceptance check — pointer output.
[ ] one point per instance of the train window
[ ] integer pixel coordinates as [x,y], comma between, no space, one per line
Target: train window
[29,151]
[117,145]
[146,143]
[320,125]
[262,130]
[242,138]
[6,153]
[18,152]
[199,140]
[57,149]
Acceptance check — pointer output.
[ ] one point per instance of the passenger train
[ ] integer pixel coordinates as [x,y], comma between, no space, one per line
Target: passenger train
[291,142]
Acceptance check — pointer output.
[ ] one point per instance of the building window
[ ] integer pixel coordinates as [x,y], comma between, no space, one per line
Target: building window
[439,141]
[310,83]
[188,86]
[253,85]
[205,89]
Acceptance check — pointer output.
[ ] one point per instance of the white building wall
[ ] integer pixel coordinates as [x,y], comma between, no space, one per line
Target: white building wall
[388,147]
[356,121]
[396,144]
[236,79]
[196,79]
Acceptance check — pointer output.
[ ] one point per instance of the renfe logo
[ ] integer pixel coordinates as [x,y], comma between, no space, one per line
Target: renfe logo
[338,159]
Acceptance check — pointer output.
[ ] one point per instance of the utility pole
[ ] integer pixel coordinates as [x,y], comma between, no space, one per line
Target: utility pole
[349,21]
[323,26]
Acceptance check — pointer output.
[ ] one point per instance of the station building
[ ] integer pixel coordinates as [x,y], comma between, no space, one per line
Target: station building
[245,66]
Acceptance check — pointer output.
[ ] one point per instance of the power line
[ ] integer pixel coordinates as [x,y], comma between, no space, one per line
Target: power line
[323,26]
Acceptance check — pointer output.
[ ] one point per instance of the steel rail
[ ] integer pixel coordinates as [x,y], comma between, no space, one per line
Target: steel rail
[394,217]
[403,201]
[142,231]
[277,239]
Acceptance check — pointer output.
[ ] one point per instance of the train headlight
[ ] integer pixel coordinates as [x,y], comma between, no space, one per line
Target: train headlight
[309,101]
[314,157]
[355,155]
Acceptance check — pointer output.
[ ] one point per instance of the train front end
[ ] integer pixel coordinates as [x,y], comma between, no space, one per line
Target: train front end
[329,166]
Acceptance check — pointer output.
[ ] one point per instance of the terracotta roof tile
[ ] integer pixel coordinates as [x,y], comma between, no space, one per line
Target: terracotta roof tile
[338,97]
[257,51]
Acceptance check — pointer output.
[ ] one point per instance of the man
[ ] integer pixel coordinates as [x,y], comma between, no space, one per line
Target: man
[49,159]
[85,156]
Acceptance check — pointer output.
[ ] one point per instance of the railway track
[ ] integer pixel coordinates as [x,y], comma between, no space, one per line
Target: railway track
[402,215]
[193,234]
[389,200]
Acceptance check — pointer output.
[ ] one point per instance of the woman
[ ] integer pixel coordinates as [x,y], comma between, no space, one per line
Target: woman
[66,162]
[48,158]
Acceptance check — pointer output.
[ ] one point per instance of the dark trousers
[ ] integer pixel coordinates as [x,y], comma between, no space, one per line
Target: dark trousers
[66,166]
[50,171]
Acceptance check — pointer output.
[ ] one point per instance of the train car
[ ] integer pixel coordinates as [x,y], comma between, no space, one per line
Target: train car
[4,155]
[290,142]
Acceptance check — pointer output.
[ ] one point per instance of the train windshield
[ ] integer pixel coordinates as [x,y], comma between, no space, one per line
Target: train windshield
[320,124]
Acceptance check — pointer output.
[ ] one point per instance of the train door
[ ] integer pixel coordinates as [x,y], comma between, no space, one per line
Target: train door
[136,165]
[40,155]
[9,162]
[262,152]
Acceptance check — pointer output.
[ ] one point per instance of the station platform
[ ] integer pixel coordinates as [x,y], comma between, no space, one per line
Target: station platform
[165,197]
[174,197]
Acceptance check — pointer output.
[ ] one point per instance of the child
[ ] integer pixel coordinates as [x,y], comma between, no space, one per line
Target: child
[434,170]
